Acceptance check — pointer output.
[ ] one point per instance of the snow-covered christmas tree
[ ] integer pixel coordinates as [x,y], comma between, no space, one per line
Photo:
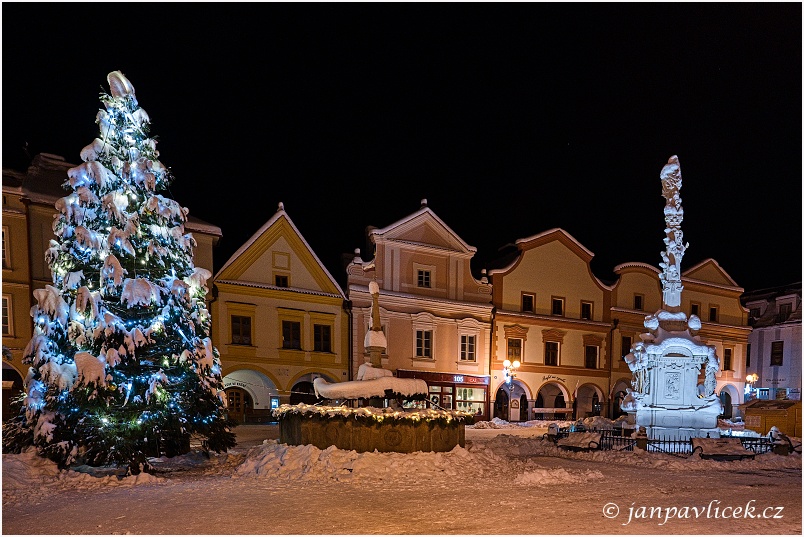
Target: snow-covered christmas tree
[122,365]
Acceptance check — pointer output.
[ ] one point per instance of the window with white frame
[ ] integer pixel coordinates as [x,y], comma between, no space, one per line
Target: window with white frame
[7,316]
[424,344]
[423,278]
[468,348]
[424,336]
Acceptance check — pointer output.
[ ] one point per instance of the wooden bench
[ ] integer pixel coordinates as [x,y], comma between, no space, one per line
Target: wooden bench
[587,441]
[721,449]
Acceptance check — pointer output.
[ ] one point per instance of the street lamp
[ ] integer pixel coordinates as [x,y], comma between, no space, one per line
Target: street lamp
[509,369]
[750,380]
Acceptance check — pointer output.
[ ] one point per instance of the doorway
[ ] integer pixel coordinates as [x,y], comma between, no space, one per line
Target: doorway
[238,403]
[501,405]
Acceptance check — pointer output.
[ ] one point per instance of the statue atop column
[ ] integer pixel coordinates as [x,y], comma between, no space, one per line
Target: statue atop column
[674,242]
[664,396]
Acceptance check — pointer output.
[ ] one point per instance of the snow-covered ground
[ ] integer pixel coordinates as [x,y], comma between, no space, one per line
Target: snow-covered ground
[507,480]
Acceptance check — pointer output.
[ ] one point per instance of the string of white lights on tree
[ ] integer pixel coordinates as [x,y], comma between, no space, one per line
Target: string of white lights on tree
[122,365]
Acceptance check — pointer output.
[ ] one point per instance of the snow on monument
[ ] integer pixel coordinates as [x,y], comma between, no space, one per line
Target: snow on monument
[665,397]
[372,379]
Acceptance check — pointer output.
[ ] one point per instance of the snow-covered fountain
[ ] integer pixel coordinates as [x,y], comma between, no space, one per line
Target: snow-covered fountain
[390,428]
[666,398]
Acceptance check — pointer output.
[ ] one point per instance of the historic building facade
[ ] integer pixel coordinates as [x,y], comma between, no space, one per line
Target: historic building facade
[29,200]
[435,315]
[552,317]
[774,346]
[570,332]
[279,321]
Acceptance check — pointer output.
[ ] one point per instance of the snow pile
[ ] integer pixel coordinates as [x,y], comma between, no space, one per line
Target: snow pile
[28,477]
[307,462]
[557,476]
[497,423]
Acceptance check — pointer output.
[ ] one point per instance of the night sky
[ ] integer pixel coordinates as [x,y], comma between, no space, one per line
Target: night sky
[509,119]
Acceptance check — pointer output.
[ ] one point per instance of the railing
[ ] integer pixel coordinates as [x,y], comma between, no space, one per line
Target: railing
[613,440]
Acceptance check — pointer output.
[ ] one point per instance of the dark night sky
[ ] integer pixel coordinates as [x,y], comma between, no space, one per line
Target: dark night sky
[510,119]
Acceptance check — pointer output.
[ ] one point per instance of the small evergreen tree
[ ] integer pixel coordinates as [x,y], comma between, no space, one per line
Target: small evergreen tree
[122,365]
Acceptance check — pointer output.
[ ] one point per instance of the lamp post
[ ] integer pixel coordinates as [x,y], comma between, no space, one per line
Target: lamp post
[749,383]
[509,370]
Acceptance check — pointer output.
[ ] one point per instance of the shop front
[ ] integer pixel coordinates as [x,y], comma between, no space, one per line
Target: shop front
[450,391]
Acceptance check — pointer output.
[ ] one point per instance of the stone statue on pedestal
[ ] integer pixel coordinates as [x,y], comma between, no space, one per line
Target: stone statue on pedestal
[665,397]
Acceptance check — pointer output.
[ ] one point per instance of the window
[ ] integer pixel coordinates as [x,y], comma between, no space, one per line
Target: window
[440,396]
[527,303]
[586,310]
[748,356]
[695,309]
[423,278]
[625,345]
[470,400]
[291,335]
[590,356]
[322,338]
[6,261]
[550,353]
[281,280]
[726,359]
[424,343]
[784,312]
[639,302]
[712,314]
[558,306]
[7,316]
[468,348]
[514,349]
[754,313]
[241,330]
[777,352]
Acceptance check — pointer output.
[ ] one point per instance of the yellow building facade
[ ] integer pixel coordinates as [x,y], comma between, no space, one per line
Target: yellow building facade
[279,322]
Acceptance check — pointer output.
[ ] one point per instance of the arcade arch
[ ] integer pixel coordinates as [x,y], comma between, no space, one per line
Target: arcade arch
[250,396]
[730,399]
[551,402]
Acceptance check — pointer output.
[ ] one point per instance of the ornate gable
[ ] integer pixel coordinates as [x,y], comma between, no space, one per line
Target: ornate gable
[710,271]
[423,228]
[278,248]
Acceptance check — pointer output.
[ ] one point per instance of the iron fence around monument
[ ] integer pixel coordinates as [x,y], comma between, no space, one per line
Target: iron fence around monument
[613,440]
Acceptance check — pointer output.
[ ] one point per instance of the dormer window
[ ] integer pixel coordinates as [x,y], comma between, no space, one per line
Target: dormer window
[784,311]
